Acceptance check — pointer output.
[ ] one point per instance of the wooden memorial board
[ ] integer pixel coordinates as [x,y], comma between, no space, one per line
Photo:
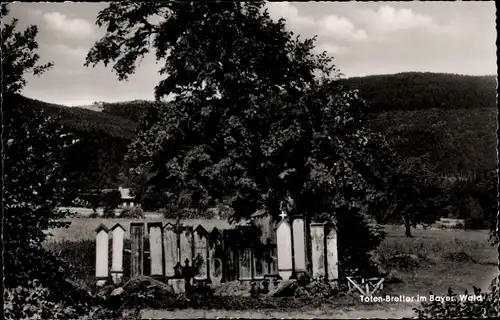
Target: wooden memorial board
[201,252]
[284,247]
[118,235]
[170,245]
[332,254]
[262,252]
[186,245]
[244,256]
[156,249]
[216,255]
[299,245]
[102,255]
[137,249]
[318,250]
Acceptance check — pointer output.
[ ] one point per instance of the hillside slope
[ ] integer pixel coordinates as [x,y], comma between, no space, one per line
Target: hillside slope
[85,120]
[418,91]
[450,120]
[97,158]
[458,142]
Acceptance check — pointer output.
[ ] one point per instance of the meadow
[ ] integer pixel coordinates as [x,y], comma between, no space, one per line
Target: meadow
[440,259]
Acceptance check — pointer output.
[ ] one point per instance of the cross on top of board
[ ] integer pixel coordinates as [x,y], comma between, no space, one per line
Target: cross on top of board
[283,215]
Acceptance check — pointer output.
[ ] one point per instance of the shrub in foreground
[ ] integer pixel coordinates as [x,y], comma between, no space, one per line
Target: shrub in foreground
[480,305]
[35,301]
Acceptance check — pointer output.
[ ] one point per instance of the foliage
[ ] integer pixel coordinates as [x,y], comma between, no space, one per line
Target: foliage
[88,121]
[96,160]
[134,212]
[411,196]
[355,261]
[32,302]
[248,127]
[455,144]
[316,289]
[486,305]
[425,90]
[447,158]
[475,200]
[19,54]
[449,150]
[34,149]
[111,200]
[131,110]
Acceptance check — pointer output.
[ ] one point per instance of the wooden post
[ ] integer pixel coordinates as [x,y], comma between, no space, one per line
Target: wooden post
[118,233]
[137,249]
[284,246]
[307,220]
[331,254]
[299,245]
[156,249]
[101,255]
[201,252]
[171,249]
[318,250]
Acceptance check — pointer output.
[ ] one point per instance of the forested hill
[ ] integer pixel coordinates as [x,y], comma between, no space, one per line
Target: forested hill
[447,120]
[419,91]
[103,136]
[84,120]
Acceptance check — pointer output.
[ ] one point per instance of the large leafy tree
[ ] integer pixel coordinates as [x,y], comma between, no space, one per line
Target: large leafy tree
[33,148]
[257,118]
[411,196]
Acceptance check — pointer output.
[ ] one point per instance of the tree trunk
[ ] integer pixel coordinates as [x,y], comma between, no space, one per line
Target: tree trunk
[407,226]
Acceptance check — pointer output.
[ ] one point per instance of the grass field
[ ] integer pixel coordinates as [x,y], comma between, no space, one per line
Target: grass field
[443,258]
[446,258]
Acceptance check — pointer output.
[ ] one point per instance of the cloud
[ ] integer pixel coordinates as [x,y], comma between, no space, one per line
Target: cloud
[332,49]
[387,19]
[340,28]
[36,12]
[71,28]
[290,13]
[70,52]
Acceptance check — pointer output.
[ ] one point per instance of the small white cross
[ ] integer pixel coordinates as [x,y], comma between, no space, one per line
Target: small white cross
[283,215]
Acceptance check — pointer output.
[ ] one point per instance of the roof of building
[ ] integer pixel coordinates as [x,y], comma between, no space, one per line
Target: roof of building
[259,213]
[125,192]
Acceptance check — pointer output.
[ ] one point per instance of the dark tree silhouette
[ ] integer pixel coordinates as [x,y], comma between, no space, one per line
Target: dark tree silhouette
[257,115]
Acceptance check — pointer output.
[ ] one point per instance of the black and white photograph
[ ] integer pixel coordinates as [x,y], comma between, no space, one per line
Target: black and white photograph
[254,159]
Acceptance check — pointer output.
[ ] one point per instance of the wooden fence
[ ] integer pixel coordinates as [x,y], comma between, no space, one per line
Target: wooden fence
[219,255]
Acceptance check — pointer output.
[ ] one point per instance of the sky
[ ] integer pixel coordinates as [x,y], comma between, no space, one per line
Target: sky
[364,38]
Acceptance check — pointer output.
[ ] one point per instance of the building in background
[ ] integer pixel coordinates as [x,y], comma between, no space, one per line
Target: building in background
[127,200]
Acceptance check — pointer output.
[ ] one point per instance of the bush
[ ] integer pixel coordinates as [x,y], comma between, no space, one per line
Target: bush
[475,224]
[31,303]
[356,242]
[110,201]
[486,305]
[134,212]
[36,301]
